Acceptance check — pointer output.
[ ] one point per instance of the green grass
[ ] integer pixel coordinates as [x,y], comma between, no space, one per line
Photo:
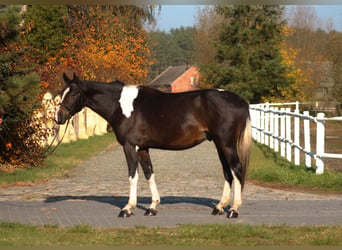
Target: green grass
[65,157]
[268,168]
[13,234]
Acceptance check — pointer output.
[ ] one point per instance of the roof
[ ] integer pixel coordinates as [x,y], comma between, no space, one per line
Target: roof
[167,77]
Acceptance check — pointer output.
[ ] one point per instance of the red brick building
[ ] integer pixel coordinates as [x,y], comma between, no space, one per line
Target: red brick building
[177,79]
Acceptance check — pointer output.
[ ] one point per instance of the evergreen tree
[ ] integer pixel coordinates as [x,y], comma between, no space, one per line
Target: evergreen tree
[165,51]
[171,49]
[18,94]
[248,59]
[184,40]
[46,27]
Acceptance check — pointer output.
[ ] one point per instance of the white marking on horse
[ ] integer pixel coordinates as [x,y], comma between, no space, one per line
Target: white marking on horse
[154,191]
[128,95]
[66,91]
[133,186]
[237,193]
[225,197]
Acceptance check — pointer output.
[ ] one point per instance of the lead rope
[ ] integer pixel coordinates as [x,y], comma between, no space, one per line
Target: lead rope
[59,142]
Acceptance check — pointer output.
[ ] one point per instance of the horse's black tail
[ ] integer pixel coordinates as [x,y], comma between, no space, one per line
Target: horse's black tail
[244,147]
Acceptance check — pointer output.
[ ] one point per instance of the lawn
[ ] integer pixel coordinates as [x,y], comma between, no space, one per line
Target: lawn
[269,169]
[12,234]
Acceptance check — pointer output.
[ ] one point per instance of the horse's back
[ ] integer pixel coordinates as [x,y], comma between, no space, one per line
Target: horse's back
[204,104]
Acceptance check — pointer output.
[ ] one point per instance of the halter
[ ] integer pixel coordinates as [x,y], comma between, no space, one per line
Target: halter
[69,109]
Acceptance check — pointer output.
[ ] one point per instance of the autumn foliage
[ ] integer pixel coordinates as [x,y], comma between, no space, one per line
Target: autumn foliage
[301,87]
[109,50]
[102,43]
[106,48]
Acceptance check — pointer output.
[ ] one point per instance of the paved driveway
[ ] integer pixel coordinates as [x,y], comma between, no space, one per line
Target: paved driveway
[190,182]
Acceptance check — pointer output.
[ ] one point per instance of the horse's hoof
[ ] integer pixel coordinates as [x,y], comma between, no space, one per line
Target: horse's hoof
[150,212]
[232,214]
[217,212]
[124,214]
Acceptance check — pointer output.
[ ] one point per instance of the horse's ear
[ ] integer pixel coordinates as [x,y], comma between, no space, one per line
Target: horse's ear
[66,78]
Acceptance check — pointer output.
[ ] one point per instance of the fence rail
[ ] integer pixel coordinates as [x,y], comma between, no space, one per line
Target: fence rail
[279,128]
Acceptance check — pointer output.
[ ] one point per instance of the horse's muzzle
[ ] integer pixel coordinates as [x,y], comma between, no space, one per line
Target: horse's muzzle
[61,117]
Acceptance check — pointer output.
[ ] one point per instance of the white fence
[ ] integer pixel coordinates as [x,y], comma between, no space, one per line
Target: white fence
[84,124]
[279,128]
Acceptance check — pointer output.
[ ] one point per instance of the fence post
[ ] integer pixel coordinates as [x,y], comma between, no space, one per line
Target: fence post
[288,136]
[90,122]
[266,123]
[63,133]
[82,131]
[49,113]
[262,125]
[271,128]
[282,133]
[320,134]
[276,130]
[259,124]
[71,130]
[103,125]
[252,115]
[296,138]
[307,144]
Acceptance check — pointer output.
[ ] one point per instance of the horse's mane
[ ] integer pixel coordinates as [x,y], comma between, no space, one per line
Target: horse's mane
[117,82]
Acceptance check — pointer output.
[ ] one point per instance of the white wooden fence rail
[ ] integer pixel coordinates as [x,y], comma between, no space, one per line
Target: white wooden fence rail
[273,126]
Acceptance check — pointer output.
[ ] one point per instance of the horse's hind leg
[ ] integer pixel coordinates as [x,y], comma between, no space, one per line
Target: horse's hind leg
[219,208]
[146,164]
[236,172]
[233,174]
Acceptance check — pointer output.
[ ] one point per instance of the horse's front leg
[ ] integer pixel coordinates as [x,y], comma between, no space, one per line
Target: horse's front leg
[132,162]
[146,164]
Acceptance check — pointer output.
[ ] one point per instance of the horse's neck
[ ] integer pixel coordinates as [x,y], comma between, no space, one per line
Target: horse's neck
[103,99]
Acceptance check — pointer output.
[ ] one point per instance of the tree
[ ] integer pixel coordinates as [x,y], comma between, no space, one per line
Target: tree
[333,53]
[247,52]
[205,35]
[107,46]
[184,38]
[171,48]
[309,39]
[165,52]
[46,28]
[96,41]
[19,90]
[88,40]
[301,88]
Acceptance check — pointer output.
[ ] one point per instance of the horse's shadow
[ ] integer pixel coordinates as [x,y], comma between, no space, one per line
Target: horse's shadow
[121,201]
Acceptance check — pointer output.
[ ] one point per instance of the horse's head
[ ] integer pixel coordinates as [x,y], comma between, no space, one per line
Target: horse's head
[72,100]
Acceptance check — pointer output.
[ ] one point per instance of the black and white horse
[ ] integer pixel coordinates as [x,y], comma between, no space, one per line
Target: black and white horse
[144,118]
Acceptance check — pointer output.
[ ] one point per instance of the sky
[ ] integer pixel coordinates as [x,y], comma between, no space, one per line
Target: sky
[175,16]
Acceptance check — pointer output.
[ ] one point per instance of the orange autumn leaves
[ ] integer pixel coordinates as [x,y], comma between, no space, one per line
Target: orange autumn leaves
[301,88]
[109,49]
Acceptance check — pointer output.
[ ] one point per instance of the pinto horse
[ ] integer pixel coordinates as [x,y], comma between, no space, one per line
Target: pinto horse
[144,118]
